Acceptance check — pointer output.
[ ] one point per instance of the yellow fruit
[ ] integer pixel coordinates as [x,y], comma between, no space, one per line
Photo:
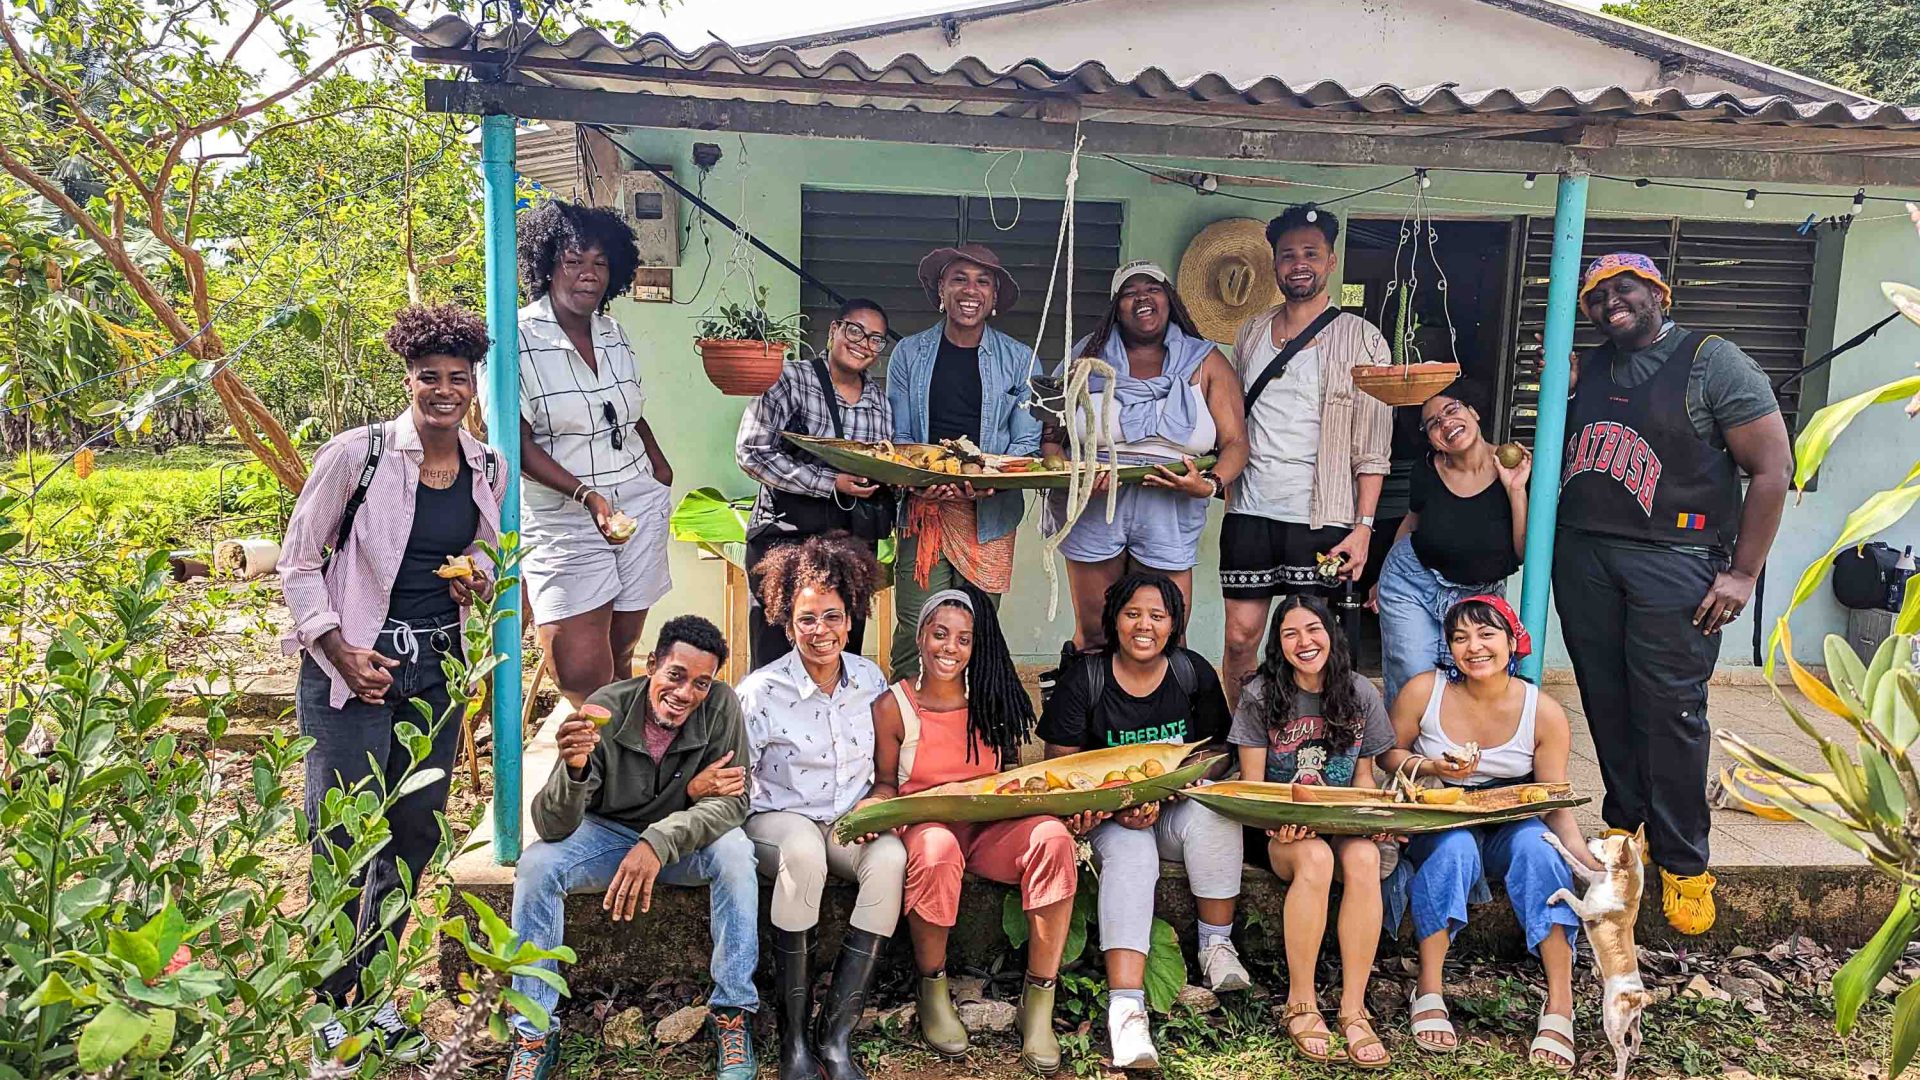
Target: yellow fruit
[1533,793]
[1113,776]
[1510,454]
[1447,796]
[1152,767]
[457,566]
[1135,774]
[1054,783]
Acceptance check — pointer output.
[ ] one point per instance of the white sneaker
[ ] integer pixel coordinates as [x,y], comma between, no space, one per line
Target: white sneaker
[1132,1041]
[1220,962]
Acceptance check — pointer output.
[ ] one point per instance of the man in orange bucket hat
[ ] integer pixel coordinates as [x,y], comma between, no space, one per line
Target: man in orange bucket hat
[1657,553]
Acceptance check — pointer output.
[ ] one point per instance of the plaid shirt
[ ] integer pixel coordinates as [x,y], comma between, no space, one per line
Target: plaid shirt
[796,403]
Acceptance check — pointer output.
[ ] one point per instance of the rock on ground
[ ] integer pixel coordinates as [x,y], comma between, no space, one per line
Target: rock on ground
[681,1026]
[988,1016]
[1198,998]
[626,1030]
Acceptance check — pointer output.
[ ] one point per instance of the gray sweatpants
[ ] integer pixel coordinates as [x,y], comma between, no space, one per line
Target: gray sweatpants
[1129,860]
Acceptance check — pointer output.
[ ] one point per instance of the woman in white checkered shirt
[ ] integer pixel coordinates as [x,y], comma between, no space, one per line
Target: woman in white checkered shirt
[587,451]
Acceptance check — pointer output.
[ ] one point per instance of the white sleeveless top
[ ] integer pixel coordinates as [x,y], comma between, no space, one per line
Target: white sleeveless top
[1510,760]
[1198,442]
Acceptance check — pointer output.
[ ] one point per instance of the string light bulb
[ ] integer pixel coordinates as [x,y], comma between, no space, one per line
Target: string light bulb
[1528,182]
[1425,180]
[1752,194]
[1859,200]
[1313,214]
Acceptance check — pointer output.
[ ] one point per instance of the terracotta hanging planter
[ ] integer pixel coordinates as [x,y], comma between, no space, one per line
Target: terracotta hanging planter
[741,368]
[1404,384]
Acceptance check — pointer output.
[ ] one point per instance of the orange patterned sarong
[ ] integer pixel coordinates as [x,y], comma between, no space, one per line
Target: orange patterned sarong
[956,528]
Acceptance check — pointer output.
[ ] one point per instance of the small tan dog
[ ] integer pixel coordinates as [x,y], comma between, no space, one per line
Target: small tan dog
[1607,912]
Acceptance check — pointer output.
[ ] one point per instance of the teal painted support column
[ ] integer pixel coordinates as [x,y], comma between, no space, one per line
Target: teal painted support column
[503,428]
[1550,428]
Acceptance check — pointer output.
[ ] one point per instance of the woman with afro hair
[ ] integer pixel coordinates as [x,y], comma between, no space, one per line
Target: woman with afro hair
[372,619]
[594,518]
[810,728]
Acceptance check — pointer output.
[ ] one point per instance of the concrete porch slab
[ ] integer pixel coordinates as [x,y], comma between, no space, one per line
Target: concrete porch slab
[1776,878]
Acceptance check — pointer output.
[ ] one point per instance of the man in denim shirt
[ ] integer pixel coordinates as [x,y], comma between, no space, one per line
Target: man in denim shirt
[958,378]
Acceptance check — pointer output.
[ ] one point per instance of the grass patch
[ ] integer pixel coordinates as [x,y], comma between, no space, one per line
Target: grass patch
[188,497]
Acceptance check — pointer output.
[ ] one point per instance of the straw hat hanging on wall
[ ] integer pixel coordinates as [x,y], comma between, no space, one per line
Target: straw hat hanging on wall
[1226,275]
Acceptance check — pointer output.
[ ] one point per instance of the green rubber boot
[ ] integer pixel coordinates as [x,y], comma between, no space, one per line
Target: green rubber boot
[940,1024]
[1039,1049]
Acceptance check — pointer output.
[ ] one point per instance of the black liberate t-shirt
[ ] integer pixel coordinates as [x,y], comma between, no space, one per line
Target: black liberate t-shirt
[1120,719]
[444,523]
[1467,541]
[953,395]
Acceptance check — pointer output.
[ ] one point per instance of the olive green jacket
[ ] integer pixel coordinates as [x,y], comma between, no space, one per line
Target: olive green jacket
[624,785]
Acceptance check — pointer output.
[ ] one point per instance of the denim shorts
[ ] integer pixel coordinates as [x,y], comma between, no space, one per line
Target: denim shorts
[1159,527]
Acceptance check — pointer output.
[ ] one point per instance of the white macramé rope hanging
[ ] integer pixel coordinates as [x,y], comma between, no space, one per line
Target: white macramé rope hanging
[1083,463]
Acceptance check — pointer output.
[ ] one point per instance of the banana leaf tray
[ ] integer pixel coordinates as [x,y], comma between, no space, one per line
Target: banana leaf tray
[976,800]
[1364,812]
[862,459]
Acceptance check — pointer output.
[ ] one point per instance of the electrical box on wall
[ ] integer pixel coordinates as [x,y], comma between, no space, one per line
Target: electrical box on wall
[653,211]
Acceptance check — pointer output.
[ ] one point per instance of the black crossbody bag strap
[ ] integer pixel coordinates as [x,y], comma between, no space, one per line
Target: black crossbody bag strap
[376,444]
[1278,365]
[833,397]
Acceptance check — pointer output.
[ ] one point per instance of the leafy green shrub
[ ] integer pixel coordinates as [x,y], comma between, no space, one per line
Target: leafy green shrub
[148,928]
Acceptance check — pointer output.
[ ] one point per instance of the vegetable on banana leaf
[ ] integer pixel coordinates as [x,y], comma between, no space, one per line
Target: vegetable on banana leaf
[1111,779]
[864,459]
[1357,812]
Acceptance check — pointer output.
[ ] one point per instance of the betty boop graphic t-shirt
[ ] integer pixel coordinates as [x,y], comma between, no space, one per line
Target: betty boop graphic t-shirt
[1303,749]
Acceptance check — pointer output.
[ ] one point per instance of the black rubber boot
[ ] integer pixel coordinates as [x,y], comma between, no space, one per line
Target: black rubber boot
[793,976]
[846,1000]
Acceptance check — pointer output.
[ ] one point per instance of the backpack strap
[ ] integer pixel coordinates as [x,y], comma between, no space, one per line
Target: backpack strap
[376,445]
[1095,665]
[492,466]
[1181,664]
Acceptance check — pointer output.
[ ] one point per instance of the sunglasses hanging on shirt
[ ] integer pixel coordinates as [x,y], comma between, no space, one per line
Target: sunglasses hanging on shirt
[613,424]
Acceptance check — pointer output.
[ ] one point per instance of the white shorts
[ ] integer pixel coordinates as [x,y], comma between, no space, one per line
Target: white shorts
[570,569]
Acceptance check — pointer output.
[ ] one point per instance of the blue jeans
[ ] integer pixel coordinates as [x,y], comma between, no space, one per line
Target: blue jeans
[1452,866]
[586,861]
[1413,602]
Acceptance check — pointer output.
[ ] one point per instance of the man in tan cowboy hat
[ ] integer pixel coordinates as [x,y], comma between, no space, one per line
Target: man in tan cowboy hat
[1656,553]
[958,377]
[1318,449]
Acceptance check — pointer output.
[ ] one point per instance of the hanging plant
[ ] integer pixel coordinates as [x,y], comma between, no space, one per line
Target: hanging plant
[1408,380]
[742,346]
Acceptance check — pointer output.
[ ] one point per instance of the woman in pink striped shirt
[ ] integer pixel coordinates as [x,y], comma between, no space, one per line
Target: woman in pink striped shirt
[385,507]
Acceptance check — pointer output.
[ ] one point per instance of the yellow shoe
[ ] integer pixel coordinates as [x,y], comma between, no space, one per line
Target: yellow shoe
[1688,901]
[1646,859]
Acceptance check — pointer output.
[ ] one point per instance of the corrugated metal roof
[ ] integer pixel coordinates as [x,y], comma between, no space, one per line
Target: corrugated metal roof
[589,60]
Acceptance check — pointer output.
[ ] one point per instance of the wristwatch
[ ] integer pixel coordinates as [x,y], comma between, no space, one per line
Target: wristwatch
[1365,519]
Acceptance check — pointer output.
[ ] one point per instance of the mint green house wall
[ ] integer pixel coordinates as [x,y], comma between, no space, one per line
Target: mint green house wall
[759,182]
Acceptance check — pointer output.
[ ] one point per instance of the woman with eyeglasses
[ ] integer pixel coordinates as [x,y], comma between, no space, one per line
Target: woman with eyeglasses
[800,495]
[810,729]
[1464,535]
[593,518]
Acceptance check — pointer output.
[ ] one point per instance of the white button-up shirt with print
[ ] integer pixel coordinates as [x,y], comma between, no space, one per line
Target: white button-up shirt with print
[812,751]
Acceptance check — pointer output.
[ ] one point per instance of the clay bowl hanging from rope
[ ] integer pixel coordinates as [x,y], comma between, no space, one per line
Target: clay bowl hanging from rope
[1404,384]
[741,368]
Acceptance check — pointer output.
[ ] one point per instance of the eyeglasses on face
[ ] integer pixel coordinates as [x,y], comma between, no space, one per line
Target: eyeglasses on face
[810,623]
[1450,411]
[613,423]
[859,337]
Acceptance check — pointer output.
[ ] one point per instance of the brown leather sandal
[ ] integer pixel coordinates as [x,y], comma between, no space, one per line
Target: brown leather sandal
[1347,1023]
[1294,1012]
